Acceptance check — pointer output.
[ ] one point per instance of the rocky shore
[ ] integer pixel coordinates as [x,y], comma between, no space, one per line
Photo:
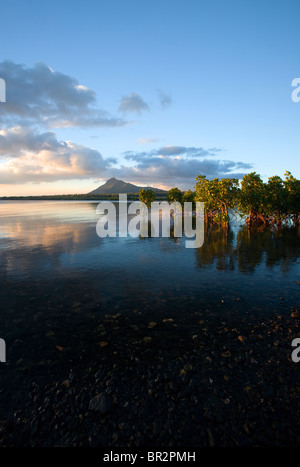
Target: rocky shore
[164,383]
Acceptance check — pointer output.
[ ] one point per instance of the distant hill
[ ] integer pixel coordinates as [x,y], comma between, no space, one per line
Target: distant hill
[118,186]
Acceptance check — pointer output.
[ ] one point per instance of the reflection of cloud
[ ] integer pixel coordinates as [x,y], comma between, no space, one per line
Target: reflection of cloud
[47,236]
[42,96]
[133,103]
[44,234]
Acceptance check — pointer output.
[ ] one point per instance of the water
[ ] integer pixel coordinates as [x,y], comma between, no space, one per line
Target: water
[59,281]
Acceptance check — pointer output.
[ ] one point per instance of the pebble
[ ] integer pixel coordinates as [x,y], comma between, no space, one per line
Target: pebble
[101,403]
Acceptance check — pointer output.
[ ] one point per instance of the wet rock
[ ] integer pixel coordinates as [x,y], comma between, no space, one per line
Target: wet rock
[147,340]
[152,324]
[101,403]
[210,438]
[295,313]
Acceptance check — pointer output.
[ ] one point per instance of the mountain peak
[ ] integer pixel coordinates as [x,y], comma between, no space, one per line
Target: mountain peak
[115,186]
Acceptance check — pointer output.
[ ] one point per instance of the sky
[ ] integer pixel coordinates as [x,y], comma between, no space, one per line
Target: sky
[153,93]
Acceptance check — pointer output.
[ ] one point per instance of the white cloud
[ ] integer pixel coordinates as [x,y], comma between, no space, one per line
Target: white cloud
[41,96]
[28,156]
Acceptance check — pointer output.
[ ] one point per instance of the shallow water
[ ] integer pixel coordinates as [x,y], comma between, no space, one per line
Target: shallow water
[58,280]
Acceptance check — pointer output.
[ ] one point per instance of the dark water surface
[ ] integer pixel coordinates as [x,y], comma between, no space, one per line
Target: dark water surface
[66,294]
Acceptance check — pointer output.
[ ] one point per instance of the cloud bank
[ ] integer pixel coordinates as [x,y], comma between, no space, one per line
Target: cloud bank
[28,156]
[40,99]
[41,96]
[178,165]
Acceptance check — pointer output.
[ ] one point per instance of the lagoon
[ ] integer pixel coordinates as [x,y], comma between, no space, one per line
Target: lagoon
[72,302]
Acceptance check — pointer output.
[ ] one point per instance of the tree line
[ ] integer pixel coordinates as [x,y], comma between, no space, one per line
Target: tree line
[273,202]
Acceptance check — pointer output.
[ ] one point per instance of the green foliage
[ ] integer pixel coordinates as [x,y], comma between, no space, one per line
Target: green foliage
[221,218]
[252,199]
[175,195]
[189,197]
[275,199]
[272,202]
[218,196]
[146,196]
[292,187]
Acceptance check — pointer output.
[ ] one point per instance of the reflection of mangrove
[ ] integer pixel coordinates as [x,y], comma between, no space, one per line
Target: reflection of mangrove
[280,246]
[218,246]
[251,248]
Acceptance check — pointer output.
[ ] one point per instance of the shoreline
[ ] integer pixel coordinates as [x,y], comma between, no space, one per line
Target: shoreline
[227,386]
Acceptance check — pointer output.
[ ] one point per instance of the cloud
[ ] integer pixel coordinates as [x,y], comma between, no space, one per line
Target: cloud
[147,140]
[39,95]
[133,103]
[28,156]
[39,99]
[179,172]
[164,99]
[177,166]
[171,151]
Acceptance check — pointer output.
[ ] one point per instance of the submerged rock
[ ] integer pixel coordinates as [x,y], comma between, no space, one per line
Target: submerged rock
[101,403]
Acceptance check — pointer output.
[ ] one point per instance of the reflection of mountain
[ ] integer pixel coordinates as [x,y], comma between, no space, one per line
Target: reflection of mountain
[250,249]
[113,186]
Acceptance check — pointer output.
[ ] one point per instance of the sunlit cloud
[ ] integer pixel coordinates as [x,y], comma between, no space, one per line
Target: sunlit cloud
[28,156]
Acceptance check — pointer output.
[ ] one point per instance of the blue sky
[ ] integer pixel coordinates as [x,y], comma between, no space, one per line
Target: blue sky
[171,88]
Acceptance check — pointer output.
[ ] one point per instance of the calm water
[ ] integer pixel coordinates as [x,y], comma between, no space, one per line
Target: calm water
[58,279]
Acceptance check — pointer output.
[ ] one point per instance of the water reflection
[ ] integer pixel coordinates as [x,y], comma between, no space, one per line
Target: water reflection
[218,248]
[51,237]
[273,247]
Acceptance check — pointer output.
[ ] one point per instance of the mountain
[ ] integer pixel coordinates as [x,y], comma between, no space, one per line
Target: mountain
[113,186]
